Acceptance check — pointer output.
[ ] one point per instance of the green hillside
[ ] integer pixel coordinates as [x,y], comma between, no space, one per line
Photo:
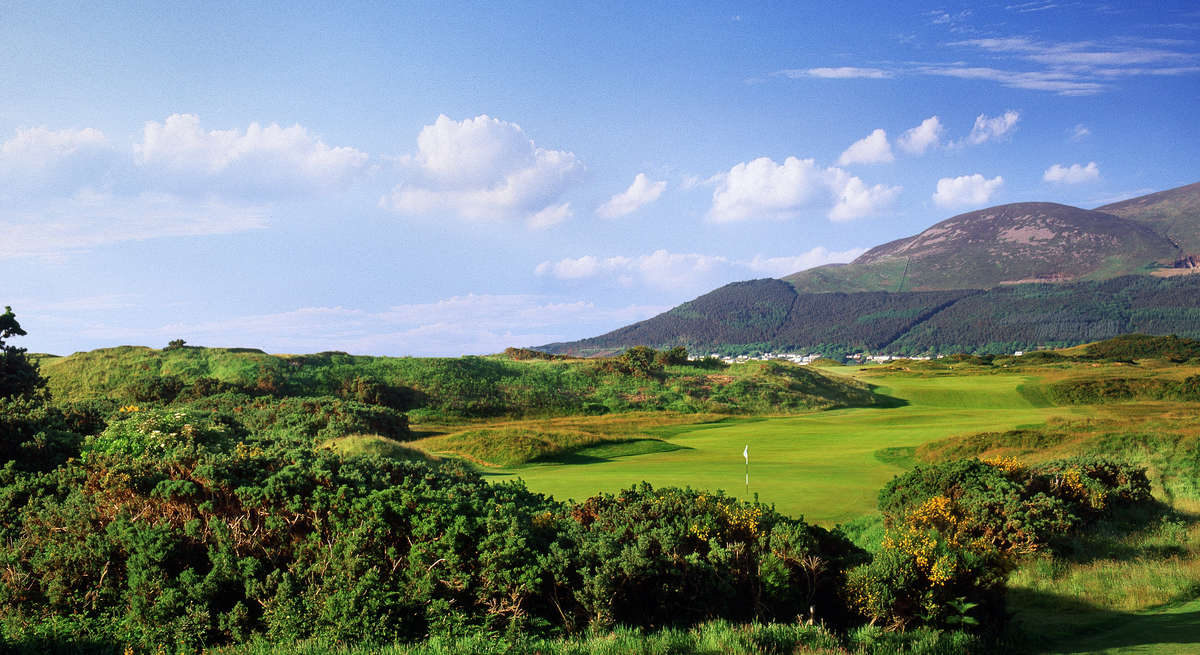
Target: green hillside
[443,388]
[1015,317]
[1174,213]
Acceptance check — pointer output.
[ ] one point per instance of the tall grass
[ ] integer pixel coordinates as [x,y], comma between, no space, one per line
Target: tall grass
[712,638]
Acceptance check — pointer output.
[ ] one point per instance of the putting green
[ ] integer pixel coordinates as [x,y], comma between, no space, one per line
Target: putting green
[822,465]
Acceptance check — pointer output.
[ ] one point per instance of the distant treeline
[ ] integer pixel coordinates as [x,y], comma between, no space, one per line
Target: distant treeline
[768,315]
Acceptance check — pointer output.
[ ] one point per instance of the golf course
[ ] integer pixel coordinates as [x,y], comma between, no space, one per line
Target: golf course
[826,466]
[1128,588]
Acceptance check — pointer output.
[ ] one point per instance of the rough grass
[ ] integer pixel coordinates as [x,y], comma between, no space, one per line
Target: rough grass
[712,638]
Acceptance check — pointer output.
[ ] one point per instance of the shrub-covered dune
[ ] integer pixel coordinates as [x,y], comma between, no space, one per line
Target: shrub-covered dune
[452,388]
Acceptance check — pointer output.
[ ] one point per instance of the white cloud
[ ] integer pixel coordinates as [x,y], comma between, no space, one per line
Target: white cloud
[550,216]
[1080,132]
[642,192]
[467,324]
[41,147]
[1068,68]
[55,162]
[258,159]
[483,168]
[917,140]
[91,219]
[1073,174]
[763,189]
[838,73]
[1063,83]
[965,190]
[996,128]
[660,269]
[871,149]
[855,199]
[686,271]
[819,256]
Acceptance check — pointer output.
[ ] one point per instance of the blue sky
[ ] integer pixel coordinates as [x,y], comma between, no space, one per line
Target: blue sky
[423,179]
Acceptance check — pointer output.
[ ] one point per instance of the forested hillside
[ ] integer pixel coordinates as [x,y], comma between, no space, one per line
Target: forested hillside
[1015,317]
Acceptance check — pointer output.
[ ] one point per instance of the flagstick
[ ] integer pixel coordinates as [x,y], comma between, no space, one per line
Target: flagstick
[746,454]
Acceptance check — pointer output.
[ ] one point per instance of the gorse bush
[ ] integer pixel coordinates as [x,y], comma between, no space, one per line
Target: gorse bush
[662,557]
[201,544]
[956,529]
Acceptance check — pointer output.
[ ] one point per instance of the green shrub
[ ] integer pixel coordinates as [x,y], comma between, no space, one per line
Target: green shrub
[654,558]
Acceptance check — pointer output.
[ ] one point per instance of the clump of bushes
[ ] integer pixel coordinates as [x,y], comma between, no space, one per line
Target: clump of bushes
[654,558]
[170,531]
[956,529]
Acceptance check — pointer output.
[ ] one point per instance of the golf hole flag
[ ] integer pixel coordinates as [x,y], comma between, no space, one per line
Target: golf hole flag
[746,454]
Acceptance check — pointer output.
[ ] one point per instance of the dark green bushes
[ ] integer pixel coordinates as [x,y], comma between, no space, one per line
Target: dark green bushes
[655,558]
[305,419]
[168,532]
[18,376]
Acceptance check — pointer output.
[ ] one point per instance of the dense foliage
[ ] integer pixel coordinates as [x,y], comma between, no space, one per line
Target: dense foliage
[956,529]
[170,529]
[763,316]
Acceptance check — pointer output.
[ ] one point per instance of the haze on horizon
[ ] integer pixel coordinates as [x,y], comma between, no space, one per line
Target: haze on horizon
[434,180]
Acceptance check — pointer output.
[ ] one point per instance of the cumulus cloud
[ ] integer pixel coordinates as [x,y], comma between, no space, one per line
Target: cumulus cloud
[259,158]
[55,161]
[666,270]
[763,189]
[917,140]
[965,190]
[642,192]
[992,128]
[41,147]
[660,269]
[871,149]
[1073,174]
[483,168]
[91,219]
[855,199]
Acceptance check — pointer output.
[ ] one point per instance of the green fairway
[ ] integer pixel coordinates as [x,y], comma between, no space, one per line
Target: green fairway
[821,465]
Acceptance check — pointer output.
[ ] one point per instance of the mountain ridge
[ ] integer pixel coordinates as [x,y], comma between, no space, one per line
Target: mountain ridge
[1016,243]
[1014,276]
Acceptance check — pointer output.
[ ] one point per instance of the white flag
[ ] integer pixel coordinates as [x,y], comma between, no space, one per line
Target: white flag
[746,453]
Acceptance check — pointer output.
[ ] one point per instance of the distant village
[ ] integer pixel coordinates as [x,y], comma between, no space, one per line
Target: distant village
[797,358]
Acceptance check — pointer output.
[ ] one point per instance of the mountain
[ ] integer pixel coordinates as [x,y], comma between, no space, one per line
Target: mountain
[1009,244]
[1010,277]
[736,319]
[1175,214]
